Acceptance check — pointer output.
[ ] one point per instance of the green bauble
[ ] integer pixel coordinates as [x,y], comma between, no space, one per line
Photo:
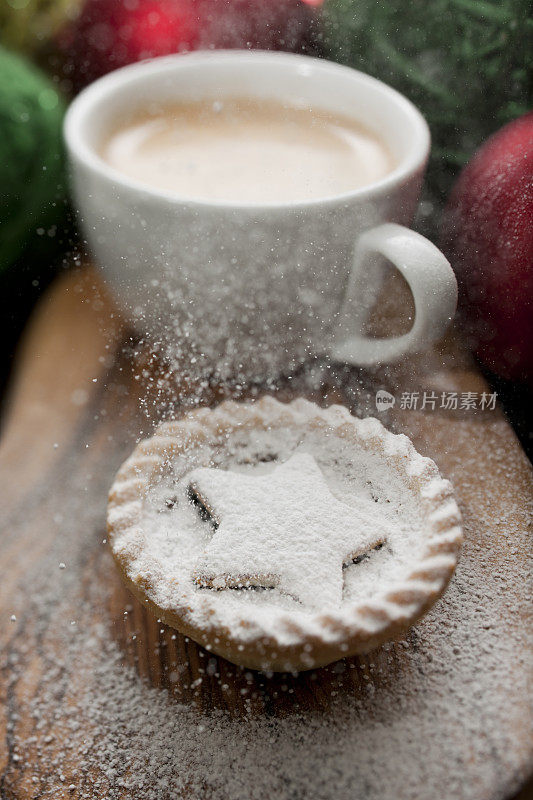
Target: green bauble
[31,157]
[464,63]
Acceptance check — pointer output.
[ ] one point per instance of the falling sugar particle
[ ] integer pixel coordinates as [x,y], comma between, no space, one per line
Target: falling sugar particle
[79,397]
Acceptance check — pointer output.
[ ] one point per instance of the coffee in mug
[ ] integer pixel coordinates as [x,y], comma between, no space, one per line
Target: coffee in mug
[244,150]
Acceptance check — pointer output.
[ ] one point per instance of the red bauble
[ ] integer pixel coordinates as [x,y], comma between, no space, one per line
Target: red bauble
[109,34]
[488,236]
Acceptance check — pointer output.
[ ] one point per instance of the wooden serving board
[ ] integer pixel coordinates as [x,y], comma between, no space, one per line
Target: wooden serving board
[99,700]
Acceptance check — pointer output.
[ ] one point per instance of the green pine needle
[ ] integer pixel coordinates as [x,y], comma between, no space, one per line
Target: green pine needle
[465,63]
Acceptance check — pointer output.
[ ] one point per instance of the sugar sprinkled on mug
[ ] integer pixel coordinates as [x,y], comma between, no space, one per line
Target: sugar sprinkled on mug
[249,283]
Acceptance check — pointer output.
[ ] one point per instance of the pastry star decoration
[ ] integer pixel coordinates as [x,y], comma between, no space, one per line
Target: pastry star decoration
[283,529]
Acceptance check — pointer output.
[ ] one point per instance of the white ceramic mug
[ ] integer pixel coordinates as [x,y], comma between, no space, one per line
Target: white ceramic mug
[253,290]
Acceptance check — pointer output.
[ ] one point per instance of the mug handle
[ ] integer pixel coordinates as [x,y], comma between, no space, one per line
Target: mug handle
[430,279]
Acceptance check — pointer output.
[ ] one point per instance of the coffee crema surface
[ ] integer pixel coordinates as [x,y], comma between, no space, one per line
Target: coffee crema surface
[246,151]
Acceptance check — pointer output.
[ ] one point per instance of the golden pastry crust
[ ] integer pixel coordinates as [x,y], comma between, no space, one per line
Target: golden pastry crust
[324,637]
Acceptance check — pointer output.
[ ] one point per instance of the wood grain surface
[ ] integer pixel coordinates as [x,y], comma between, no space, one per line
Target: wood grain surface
[82,394]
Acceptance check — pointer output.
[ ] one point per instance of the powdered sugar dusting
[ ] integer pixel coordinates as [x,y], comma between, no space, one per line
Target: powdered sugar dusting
[371,476]
[284,529]
[443,710]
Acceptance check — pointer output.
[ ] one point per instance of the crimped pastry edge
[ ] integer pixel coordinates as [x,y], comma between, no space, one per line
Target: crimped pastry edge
[322,637]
